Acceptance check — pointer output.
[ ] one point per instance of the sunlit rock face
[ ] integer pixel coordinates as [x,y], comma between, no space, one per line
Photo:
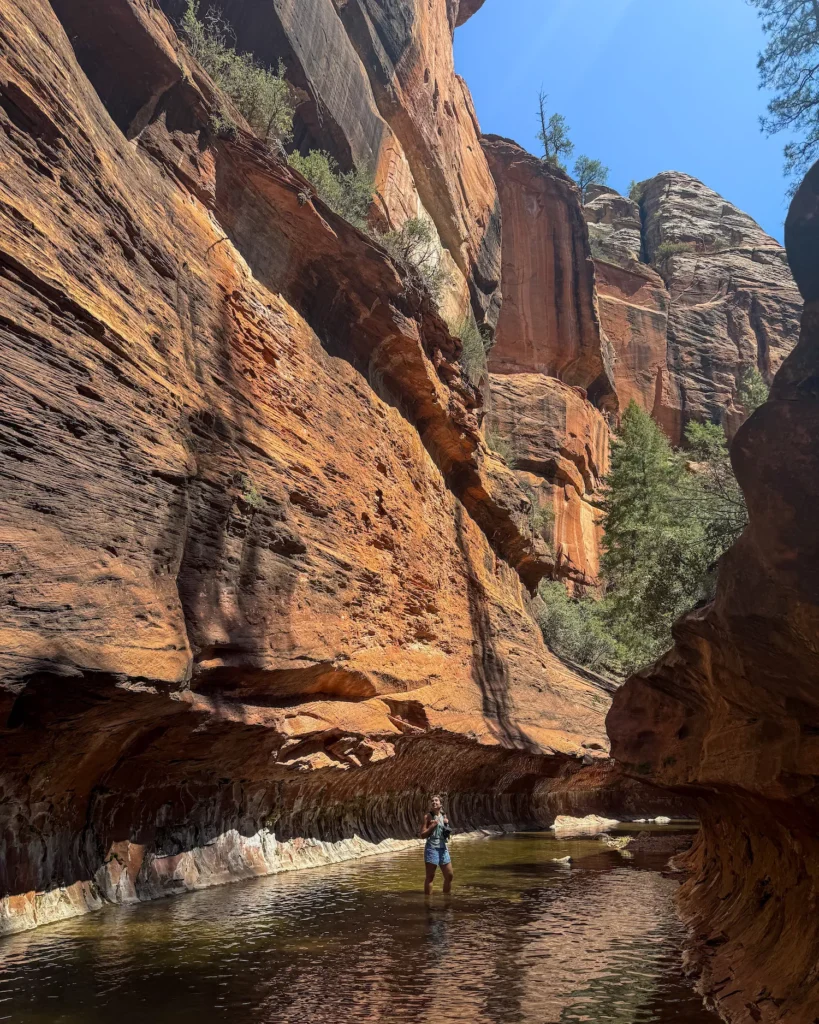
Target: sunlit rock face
[632,300]
[732,301]
[551,362]
[259,570]
[731,715]
[377,90]
[549,322]
[559,444]
[691,291]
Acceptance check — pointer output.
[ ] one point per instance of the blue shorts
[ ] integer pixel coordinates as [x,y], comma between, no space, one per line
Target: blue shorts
[437,855]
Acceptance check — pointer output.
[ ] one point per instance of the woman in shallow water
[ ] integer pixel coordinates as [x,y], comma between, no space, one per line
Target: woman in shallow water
[435,830]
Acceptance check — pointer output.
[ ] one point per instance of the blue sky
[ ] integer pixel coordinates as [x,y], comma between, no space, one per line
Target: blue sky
[645,85]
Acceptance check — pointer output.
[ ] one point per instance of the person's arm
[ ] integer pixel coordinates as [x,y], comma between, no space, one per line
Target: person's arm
[428,827]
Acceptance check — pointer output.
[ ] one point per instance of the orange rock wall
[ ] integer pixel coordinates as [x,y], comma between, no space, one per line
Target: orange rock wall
[377,90]
[559,444]
[258,568]
[549,322]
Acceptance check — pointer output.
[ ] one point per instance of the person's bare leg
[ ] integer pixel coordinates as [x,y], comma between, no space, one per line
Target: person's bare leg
[428,880]
[448,874]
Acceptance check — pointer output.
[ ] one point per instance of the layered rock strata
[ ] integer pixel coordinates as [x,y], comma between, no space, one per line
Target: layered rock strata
[692,292]
[732,299]
[731,715]
[559,444]
[260,573]
[377,90]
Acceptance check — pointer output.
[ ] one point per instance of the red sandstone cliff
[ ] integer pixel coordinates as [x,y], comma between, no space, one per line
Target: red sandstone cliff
[550,365]
[378,91]
[731,714]
[259,572]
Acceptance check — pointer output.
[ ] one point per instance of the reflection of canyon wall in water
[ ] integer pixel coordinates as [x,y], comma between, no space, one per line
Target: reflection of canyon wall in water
[731,714]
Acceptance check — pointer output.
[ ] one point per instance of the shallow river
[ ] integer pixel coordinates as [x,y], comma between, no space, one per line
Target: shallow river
[523,940]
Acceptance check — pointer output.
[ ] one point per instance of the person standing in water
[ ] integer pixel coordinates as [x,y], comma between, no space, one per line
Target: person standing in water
[436,831]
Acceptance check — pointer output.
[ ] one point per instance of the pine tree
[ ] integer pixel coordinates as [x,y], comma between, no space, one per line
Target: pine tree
[752,391]
[554,134]
[789,67]
[711,495]
[589,172]
[655,559]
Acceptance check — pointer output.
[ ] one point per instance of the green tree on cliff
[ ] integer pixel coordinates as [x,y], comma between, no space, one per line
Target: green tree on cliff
[589,172]
[655,559]
[711,495]
[789,67]
[752,391]
[554,134]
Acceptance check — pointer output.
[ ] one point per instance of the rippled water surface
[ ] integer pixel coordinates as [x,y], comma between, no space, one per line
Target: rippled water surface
[521,940]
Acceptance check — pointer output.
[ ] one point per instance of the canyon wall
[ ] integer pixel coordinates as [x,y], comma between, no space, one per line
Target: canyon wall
[664,300]
[377,90]
[691,292]
[731,717]
[263,582]
[551,365]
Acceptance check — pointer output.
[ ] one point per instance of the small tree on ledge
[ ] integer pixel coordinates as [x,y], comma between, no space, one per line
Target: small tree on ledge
[589,172]
[554,134]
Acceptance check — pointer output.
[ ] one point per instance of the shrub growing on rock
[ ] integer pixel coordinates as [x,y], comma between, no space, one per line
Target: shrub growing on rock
[416,247]
[473,355]
[636,191]
[665,250]
[501,446]
[349,193]
[261,94]
[575,628]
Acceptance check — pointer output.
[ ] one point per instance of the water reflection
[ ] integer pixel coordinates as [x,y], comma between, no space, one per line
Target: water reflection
[522,940]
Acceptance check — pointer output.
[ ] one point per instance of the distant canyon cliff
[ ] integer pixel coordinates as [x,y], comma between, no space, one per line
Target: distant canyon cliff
[268,550]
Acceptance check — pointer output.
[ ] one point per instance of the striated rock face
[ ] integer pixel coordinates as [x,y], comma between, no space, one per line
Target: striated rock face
[731,715]
[549,322]
[732,300]
[550,368]
[724,299]
[260,575]
[559,443]
[378,91]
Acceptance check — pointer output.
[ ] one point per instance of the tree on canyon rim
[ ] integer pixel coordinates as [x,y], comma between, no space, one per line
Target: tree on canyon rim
[554,134]
[789,67]
[589,172]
